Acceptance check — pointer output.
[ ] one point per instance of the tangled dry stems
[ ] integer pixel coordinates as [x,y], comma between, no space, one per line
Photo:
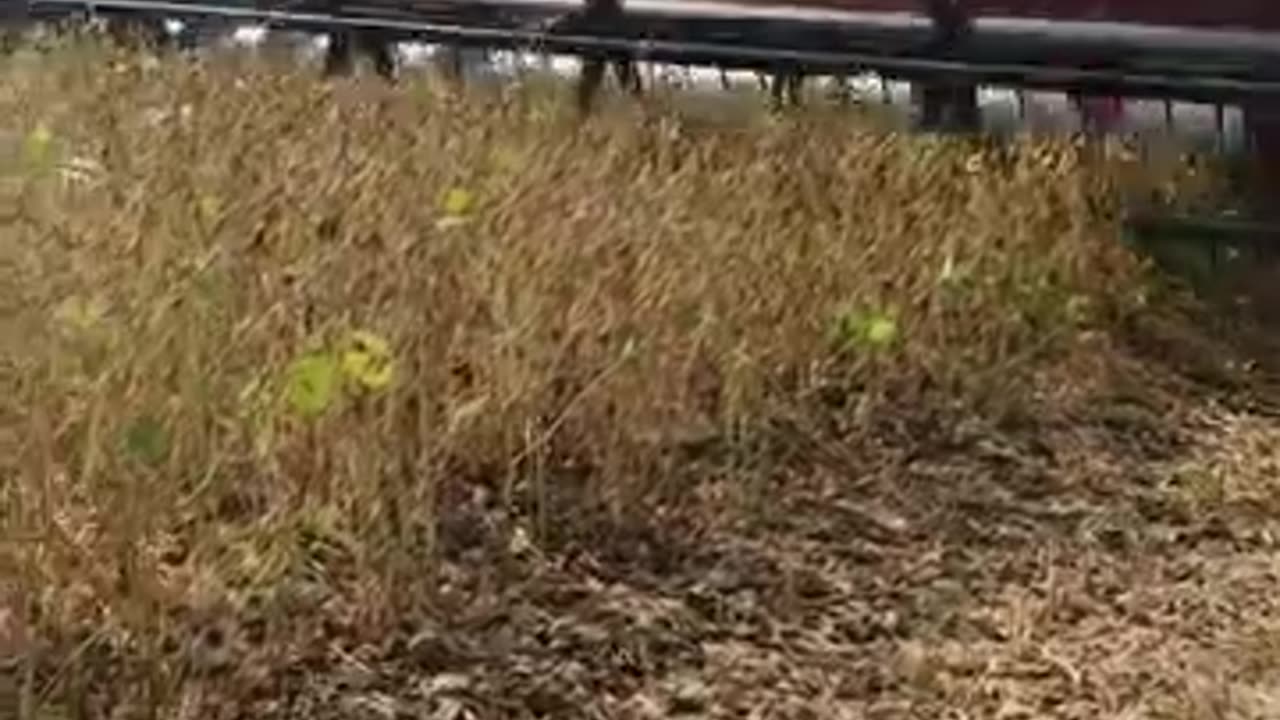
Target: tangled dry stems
[585,319]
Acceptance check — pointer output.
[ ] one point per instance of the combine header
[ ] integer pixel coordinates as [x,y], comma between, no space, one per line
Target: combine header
[1225,52]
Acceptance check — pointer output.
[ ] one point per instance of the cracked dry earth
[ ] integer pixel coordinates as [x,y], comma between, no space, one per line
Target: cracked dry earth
[1115,561]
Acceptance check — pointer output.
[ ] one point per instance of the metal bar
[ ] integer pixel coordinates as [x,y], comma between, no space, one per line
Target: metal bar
[1216,229]
[1193,87]
[1219,127]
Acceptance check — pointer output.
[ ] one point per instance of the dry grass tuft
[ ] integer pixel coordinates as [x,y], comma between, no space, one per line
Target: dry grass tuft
[297,371]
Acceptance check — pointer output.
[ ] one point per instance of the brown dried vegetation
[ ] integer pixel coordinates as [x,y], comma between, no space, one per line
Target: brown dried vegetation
[790,420]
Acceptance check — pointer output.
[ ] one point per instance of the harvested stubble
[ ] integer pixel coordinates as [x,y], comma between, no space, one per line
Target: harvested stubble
[586,323]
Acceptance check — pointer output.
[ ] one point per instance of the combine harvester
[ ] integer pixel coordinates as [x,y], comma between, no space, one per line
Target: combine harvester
[1105,55]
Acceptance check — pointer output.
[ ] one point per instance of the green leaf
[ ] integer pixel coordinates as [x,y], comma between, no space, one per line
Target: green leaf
[37,147]
[146,440]
[458,202]
[311,384]
[881,331]
[861,329]
[457,206]
[367,360]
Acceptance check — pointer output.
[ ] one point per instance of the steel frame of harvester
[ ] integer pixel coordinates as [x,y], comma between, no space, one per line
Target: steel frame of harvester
[1243,69]
[1218,67]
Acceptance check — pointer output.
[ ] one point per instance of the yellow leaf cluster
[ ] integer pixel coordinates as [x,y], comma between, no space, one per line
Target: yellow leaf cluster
[367,361]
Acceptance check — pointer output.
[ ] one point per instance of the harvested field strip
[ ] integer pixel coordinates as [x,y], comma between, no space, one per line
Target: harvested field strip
[336,401]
